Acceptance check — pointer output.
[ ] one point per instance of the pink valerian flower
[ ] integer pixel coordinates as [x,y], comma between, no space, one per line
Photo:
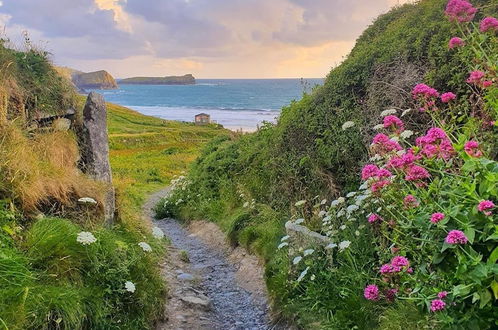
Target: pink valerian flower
[424,91]
[387,269]
[437,305]
[369,171]
[378,185]
[383,173]
[489,23]
[437,217]
[472,149]
[447,97]
[371,292]
[404,161]
[460,11]
[417,173]
[435,144]
[486,205]
[456,237]
[374,218]
[382,144]
[456,42]
[409,270]
[442,294]
[478,78]
[391,294]
[410,201]
[394,123]
[400,261]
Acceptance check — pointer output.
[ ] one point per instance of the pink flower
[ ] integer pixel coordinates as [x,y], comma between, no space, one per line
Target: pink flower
[383,144]
[476,78]
[435,144]
[409,270]
[383,173]
[460,11]
[487,83]
[400,261]
[374,218]
[489,23]
[447,97]
[416,173]
[395,123]
[371,292]
[369,171]
[424,91]
[442,294]
[456,237]
[437,305]
[387,269]
[472,149]
[437,217]
[456,42]
[486,205]
[410,201]
[378,185]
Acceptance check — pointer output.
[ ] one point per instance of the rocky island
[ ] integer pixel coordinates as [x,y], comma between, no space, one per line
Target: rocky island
[187,79]
[88,80]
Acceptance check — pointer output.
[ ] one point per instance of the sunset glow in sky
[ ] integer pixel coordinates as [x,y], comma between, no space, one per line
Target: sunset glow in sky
[208,38]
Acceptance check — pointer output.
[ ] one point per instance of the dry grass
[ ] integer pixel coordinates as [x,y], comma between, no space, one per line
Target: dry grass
[41,172]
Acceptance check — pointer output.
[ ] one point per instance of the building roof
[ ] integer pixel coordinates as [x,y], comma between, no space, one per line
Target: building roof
[202,114]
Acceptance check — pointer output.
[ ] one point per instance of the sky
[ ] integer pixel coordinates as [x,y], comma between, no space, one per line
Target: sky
[208,38]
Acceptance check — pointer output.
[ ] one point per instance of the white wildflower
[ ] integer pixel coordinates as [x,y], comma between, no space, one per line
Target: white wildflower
[86,238]
[130,287]
[344,245]
[323,202]
[308,252]
[378,127]
[246,204]
[281,245]
[341,200]
[347,125]
[331,246]
[342,227]
[286,237]
[375,158]
[299,221]
[87,200]
[357,233]
[327,218]
[363,186]
[334,203]
[157,232]
[406,134]
[340,213]
[146,247]
[352,208]
[351,194]
[322,213]
[395,139]
[388,112]
[300,203]
[312,277]
[297,260]
[303,274]
[405,112]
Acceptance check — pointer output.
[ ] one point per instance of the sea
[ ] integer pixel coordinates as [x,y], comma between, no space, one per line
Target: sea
[237,104]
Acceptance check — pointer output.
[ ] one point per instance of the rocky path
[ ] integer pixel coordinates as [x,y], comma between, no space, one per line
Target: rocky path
[211,286]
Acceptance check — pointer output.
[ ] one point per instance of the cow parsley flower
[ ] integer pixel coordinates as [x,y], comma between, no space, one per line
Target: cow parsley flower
[344,245]
[351,194]
[297,260]
[130,287]
[146,247]
[378,127]
[300,203]
[308,252]
[157,232]
[303,274]
[342,227]
[281,245]
[388,112]
[286,237]
[406,134]
[331,246]
[347,125]
[86,238]
[351,208]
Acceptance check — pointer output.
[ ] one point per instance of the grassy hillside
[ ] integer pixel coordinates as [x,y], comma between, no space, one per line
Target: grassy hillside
[60,267]
[250,184]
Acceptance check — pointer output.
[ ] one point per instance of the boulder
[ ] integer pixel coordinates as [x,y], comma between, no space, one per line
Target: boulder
[303,237]
[95,149]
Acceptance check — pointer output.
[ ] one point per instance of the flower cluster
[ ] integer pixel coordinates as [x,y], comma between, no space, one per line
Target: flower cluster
[478,78]
[489,23]
[460,11]
[456,42]
[472,149]
[86,238]
[397,265]
[394,123]
[485,207]
[456,237]
[378,178]
[435,144]
[437,217]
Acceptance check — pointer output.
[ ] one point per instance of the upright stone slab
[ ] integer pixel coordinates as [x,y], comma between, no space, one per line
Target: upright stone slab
[95,149]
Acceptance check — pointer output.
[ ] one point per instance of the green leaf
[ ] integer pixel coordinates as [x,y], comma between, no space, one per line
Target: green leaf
[494,288]
[471,234]
[461,290]
[493,256]
[485,298]
[438,257]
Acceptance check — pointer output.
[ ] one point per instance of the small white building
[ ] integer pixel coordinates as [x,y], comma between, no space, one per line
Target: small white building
[202,119]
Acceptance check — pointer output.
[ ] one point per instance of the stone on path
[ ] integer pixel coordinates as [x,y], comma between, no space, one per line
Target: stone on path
[185,277]
[198,301]
[95,149]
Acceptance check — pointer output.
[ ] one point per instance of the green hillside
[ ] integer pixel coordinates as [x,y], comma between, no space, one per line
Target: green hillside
[250,184]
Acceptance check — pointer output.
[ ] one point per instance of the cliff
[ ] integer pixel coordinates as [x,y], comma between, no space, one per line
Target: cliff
[187,79]
[93,80]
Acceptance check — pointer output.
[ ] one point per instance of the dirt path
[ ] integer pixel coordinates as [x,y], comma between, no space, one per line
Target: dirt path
[217,287]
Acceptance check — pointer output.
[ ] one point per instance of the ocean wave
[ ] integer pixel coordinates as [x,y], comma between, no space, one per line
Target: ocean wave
[200,108]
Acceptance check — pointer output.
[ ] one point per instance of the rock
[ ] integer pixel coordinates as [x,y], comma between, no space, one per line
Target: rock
[94,145]
[198,301]
[303,237]
[93,80]
[61,124]
[185,277]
